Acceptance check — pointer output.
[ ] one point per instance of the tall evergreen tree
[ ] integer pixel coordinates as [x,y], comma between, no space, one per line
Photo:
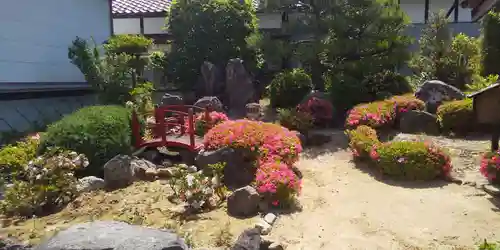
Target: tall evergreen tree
[491,42]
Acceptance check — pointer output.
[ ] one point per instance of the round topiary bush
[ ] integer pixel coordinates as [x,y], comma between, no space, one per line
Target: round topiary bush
[361,141]
[287,89]
[409,160]
[456,116]
[404,103]
[278,182]
[490,166]
[270,142]
[378,114]
[99,132]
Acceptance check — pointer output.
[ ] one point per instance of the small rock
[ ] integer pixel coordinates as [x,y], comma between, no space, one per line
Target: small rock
[150,155]
[170,99]
[209,101]
[192,169]
[118,172]
[415,121]
[493,190]
[90,183]
[166,163]
[270,218]
[151,173]
[276,246]
[243,202]
[264,227]
[249,239]
[166,172]
[182,166]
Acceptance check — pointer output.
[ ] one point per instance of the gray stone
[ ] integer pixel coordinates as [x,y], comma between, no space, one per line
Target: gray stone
[211,102]
[192,169]
[211,82]
[238,172]
[276,246]
[270,218]
[416,121]
[140,167]
[169,99]
[264,227]
[435,92]
[90,183]
[240,89]
[151,155]
[12,244]
[243,202]
[112,235]
[118,172]
[249,239]
[492,190]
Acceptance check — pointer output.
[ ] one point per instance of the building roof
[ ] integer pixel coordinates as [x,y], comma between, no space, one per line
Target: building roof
[493,86]
[147,7]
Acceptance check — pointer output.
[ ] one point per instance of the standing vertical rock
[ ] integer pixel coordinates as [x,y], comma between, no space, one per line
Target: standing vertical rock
[240,89]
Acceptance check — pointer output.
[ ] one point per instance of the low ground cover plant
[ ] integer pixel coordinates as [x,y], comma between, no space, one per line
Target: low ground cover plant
[361,141]
[456,116]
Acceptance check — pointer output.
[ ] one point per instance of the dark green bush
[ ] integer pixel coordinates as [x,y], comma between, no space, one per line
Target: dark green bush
[456,116]
[295,120]
[410,160]
[287,89]
[99,132]
[361,141]
[386,84]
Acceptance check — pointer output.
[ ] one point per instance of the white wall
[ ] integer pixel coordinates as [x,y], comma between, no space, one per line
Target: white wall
[127,25]
[35,35]
[154,25]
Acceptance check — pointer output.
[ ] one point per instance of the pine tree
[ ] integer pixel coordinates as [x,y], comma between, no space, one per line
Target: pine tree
[491,42]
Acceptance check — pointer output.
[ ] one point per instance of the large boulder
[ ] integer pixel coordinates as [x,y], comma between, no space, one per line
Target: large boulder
[118,172]
[211,82]
[238,171]
[240,89]
[250,239]
[210,101]
[435,92]
[112,235]
[170,99]
[243,202]
[416,121]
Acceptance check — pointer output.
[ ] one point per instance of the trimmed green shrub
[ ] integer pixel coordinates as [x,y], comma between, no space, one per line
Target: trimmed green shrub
[361,141]
[294,119]
[99,132]
[386,84]
[288,88]
[456,116]
[406,102]
[380,114]
[409,160]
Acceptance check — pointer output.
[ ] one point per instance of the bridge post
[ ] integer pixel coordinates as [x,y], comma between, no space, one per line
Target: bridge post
[191,128]
[136,130]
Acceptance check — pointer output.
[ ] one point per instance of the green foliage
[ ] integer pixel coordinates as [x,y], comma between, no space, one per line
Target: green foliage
[293,119]
[215,31]
[99,132]
[13,158]
[361,141]
[158,60]
[453,60]
[142,99]
[409,160]
[288,88]
[47,184]
[456,116]
[128,44]
[480,82]
[491,42]
[110,76]
[489,246]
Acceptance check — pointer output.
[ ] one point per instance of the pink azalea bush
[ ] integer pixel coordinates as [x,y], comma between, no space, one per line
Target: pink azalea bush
[490,166]
[270,142]
[321,110]
[202,125]
[404,103]
[278,182]
[361,141]
[411,160]
[375,114]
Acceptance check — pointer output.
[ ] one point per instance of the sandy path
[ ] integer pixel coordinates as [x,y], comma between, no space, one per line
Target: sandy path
[346,208]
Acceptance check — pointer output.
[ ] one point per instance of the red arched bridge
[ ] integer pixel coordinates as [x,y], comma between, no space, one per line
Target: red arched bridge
[173,127]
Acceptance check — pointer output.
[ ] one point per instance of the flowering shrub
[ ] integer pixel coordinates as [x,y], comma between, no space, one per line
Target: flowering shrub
[268,141]
[320,109]
[375,114]
[295,120]
[47,183]
[456,116]
[361,141]
[278,182]
[404,103]
[201,125]
[411,160]
[490,166]
[288,88]
[14,157]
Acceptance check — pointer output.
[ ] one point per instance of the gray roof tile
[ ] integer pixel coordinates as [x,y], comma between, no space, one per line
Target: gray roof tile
[148,6]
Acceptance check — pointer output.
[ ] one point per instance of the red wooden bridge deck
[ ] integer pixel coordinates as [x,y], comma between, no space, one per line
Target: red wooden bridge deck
[169,128]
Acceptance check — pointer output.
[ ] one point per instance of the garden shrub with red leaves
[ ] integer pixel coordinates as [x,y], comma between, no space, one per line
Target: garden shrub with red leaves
[404,103]
[202,126]
[320,109]
[278,182]
[375,114]
[490,166]
[361,141]
[270,142]
[294,119]
[409,160]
